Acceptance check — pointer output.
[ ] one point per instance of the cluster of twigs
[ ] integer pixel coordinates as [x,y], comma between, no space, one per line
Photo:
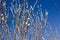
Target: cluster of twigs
[29,25]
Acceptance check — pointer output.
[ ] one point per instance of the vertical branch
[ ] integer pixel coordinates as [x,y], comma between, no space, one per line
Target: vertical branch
[0,17]
[51,34]
[57,36]
[7,30]
[14,34]
[1,20]
[0,27]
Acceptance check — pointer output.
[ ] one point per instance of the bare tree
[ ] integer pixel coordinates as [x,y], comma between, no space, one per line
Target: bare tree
[26,19]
